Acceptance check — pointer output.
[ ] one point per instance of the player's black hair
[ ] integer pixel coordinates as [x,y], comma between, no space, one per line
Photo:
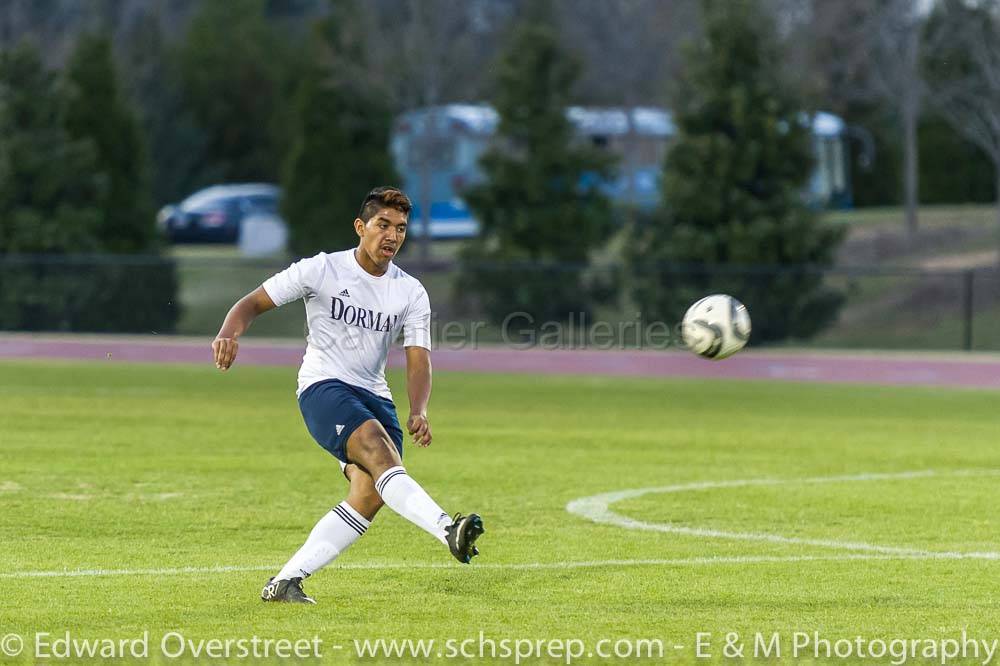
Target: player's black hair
[384,196]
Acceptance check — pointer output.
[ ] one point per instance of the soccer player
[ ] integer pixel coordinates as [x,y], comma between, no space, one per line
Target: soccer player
[357,301]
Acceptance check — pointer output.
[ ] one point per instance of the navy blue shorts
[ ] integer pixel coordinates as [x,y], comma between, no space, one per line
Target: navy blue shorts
[333,410]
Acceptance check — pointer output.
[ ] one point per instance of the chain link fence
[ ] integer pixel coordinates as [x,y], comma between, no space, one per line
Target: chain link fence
[883,308]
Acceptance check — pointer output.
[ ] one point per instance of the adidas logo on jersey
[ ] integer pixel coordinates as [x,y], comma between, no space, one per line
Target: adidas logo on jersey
[344,293]
[340,429]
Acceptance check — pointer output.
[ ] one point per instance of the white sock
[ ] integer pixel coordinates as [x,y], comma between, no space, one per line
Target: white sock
[405,496]
[332,535]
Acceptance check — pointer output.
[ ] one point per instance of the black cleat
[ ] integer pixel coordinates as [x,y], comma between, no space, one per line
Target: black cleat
[462,535]
[286,591]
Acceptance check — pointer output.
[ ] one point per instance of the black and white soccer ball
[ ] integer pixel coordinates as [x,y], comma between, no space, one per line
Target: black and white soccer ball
[716,327]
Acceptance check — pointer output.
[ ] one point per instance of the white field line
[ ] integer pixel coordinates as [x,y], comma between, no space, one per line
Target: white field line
[596,508]
[514,566]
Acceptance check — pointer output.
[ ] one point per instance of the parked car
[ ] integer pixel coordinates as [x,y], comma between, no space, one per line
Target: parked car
[215,214]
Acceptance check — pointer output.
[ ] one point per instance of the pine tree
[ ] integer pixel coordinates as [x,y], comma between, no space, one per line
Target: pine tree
[540,207]
[177,142]
[54,193]
[97,112]
[734,218]
[49,185]
[233,70]
[340,145]
[48,198]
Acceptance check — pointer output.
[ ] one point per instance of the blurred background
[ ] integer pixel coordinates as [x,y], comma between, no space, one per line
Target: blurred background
[834,164]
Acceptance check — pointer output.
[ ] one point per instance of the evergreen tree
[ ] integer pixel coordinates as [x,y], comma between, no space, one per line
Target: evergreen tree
[234,74]
[54,193]
[540,207]
[733,188]
[97,112]
[49,183]
[340,144]
[177,142]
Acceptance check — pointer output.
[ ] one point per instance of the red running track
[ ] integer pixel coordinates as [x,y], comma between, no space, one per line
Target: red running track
[974,370]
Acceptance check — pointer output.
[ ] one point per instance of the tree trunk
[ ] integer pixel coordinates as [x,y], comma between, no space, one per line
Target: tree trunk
[910,167]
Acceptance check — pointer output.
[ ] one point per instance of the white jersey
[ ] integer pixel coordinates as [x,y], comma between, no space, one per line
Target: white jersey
[353,317]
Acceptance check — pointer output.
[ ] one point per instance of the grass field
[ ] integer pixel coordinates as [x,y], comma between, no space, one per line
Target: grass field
[929,216]
[152,467]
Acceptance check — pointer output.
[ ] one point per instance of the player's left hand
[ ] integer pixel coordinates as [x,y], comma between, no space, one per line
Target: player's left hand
[420,428]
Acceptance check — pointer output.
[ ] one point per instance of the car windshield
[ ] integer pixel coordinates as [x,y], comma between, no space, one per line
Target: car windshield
[215,197]
[264,202]
[202,200]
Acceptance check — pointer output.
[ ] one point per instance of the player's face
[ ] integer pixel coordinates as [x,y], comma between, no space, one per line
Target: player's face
[383,235]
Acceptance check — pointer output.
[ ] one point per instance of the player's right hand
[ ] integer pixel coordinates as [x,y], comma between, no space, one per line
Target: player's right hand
[224,350]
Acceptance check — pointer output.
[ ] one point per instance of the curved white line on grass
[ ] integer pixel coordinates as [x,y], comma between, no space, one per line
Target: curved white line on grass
[596,508]
[512,566]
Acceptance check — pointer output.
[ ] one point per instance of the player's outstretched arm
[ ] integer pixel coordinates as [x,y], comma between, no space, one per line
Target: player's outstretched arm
[237,321]
[418,387]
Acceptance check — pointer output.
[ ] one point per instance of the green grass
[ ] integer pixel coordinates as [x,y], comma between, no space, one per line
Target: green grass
[931,330]
[210,285]
[928,216]
[147,466]
[912,312]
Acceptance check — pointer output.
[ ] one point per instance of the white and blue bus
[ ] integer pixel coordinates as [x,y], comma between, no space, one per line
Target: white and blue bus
[437,149]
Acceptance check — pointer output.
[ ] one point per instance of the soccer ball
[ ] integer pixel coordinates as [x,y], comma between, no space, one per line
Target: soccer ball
[716,327]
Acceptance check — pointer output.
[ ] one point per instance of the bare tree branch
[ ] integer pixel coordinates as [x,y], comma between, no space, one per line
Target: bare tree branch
[894,37]
[966,79]
[967,93]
